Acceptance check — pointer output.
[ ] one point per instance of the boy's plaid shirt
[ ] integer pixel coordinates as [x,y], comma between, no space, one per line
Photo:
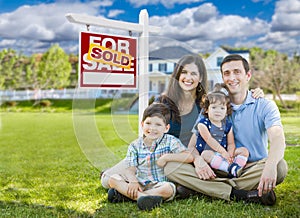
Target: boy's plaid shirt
[144,158]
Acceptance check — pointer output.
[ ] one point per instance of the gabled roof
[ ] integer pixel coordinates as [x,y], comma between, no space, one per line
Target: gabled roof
[217,52]
[173,52]
[235,51]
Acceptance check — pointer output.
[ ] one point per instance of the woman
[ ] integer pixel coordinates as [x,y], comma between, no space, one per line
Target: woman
[187,85]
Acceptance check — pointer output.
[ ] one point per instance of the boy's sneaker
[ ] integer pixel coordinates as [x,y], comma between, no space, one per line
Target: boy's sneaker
[149,202]
[114,196]
[234,170]
[266,199]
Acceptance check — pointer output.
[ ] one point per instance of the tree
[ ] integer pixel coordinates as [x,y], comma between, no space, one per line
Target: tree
[32,72]
[54,69]
[294,67]
[273,71]
[11,69]
[73,59]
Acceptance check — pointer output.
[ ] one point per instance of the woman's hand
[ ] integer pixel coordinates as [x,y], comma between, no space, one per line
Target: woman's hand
[257,93]
[203,170]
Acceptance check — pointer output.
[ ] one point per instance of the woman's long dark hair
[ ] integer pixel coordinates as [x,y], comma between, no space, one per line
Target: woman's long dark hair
[175,115]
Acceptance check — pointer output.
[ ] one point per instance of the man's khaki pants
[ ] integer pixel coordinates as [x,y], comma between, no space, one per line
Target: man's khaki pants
[185,175]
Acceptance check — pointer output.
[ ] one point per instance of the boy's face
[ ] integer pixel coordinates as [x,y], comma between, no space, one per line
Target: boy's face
[154,127]
[217,111]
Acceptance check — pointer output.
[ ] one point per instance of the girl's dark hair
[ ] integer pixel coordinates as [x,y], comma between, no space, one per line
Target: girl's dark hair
[174,91]
[157,110]
[217,95]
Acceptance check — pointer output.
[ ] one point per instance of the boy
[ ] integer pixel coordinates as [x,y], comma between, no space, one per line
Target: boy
[144,180]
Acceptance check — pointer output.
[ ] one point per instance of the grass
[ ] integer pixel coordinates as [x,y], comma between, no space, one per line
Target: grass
[50,164]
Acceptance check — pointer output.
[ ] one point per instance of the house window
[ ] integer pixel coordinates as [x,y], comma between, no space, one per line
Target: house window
[162,67]
[150,68]
[219,61]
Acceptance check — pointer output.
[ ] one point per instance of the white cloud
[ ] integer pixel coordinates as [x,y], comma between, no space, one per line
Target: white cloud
[284,33]
[114,13]
[166,3]
[47,22]
[205,12]
[203,28]
[8,43]
[280,41]
[286,16]
[212,28]
[264,1]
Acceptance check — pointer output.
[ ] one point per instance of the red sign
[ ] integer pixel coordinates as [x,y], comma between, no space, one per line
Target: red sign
[107,61]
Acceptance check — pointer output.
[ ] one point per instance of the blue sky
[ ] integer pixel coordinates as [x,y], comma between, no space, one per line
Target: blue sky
[31,26]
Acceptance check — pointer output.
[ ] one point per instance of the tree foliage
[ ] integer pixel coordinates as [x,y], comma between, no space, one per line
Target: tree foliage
[274,72]
[38,71]
[54,69]
[11,69]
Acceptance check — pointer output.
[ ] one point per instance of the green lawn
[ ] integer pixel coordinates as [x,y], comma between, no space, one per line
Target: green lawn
[50,168]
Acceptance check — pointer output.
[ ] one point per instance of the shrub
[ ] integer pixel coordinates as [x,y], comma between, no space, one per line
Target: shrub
[9,104]
[42,103]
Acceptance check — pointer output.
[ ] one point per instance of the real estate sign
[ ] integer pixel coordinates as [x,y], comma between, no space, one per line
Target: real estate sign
[107,61]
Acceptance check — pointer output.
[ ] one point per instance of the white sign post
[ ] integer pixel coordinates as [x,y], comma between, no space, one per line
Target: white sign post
[143,52]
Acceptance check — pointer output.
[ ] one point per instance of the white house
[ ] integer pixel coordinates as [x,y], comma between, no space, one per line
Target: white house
[163,61]
[214,61]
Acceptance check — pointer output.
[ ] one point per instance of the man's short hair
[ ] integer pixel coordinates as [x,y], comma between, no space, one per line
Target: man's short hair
[235,57]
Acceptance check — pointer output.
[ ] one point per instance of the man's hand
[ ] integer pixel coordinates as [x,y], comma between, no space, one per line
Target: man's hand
[203,170]
[133,189]
[267,180]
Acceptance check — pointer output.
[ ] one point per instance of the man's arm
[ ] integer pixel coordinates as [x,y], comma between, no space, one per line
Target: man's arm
[230,144]
[276,153]
[182,157]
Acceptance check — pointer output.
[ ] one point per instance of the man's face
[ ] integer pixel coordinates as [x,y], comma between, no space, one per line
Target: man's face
[235,77]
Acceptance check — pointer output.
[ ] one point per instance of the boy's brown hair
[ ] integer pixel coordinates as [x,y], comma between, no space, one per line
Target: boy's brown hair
[158,110]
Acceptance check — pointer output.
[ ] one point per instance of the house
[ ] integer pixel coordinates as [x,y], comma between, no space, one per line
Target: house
[162,63]
[214,61]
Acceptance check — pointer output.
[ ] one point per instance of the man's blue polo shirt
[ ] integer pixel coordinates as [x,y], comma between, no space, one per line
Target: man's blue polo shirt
[250,123]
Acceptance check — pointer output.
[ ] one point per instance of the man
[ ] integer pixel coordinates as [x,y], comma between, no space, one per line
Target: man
[254,122]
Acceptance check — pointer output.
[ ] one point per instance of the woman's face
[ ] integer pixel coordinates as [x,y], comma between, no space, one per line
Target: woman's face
[189,77]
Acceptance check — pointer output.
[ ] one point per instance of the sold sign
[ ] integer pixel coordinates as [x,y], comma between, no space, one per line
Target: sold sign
[107,61]
[108,56]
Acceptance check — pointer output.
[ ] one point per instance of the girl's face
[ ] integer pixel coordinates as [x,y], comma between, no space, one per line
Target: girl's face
[154,128]
[189,77]
[217,111]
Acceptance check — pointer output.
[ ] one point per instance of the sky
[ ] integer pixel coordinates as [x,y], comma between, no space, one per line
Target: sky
[32,26]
